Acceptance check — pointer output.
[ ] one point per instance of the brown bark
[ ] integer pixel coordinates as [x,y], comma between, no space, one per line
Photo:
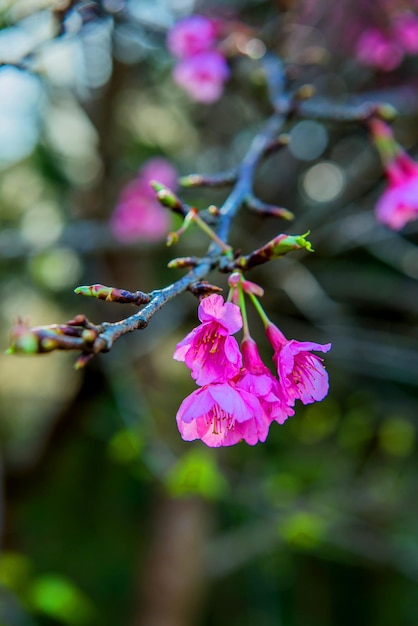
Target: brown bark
[173,575]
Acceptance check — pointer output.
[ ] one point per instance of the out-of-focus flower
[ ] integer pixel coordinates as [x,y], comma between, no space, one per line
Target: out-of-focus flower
[138,215]
[257,379]
[376,49]
[398,204]
[139,220]
[202,69]
[191,36]
[209,351]
[406,32]
[301,373]
[161,170]
[202,76]
[222,415]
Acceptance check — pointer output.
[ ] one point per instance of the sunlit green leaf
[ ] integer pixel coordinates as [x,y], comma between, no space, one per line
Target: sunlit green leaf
[196,473]
[58,598]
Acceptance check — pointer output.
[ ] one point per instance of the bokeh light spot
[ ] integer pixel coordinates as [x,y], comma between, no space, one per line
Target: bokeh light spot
[42,225]
[323,182]
[57,269]
[397,436]
[308,140]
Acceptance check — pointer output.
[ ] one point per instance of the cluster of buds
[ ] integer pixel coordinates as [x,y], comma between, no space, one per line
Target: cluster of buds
[238,397]
[77,334]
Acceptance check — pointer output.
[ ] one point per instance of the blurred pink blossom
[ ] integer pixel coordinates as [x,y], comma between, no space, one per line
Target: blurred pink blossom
[406,32]
[202,76]
[138,216]
[161,170]
[398,204]
[376,49]
[191,36]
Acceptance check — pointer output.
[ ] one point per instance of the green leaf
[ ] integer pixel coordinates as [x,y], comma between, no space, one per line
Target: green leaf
[196,473]
[58,598]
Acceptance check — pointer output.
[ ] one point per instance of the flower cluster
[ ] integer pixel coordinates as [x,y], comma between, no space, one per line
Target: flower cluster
[385,50]
[398,204]
[238,397]
[138,214]
[201,70]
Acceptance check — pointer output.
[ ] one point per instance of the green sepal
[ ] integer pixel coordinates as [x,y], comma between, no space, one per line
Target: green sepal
[274,249]
[287,243]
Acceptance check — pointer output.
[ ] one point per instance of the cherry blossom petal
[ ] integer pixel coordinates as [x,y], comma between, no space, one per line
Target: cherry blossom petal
[214,309]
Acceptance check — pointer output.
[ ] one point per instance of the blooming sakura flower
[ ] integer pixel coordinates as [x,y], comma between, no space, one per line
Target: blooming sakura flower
[302,375]
[209,351]
[376,49]
[257,379]
[202,76]
[222,415]
[138,214]
[239,397]
[191,36]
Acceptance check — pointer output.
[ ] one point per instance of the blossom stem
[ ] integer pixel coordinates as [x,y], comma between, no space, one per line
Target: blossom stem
[384,140]
[211,233]
[260,310]
[243,308]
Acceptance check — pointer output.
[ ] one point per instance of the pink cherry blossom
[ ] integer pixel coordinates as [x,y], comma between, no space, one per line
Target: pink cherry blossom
[158,169]
[376,49]
[139,219]
[406,32]
[302,375]
[202,76]
[398,204]
[138,215]
[257,379]
[222,415]
[191,36]
[208,350]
